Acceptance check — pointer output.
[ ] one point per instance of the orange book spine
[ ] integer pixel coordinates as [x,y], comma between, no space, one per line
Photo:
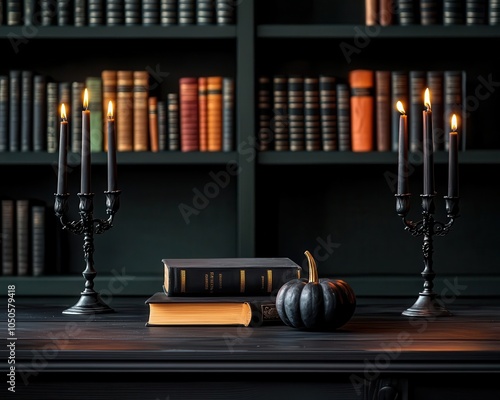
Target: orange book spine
[153,123]
[124,108]
[362,109]
[141,93]
[108,94]
[202,99]
[214,113]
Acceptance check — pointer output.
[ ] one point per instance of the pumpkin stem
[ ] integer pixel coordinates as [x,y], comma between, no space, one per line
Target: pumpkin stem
[313,271]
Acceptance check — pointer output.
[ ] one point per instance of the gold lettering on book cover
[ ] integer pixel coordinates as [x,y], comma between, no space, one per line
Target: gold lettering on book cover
[220,281]
[206,281]
[269,280]
[242,280]
[183,280]
[211,281]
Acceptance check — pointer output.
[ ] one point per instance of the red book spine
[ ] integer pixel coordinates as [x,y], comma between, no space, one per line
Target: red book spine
[189,114]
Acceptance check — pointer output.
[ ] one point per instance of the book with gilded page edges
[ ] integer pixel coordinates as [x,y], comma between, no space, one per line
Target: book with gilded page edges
[222,310]
[227,276]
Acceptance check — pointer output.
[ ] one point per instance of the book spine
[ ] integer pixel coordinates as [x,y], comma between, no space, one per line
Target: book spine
[22,237]
[173,124]
[52,116]
[189,114]
[39,113]
[407,12]
[205,12]
[168,12]
[476,12]
[124,110]
[26,111]
[362,106]
[115,13]
[225,12]
[8,237]
[38,239]
[328,112]
[14,110]
[80,13]
[264,111]
[94,86]
[48,16]
[383,110]
[186,12]
[312,114]
[202,112]
[296,113]
[371,12]
[96,10]
[29,11]
[227,281]
[494,12]
[140,106]
[77,90]
[64,12]
[343,117]
[386,14]
[153,123]
[399,92]
[150,12]
[14,11]
[4,113]
[214,113]
[162,125]
[453,12]
[415,121]
[228,114]
[280,120]
[431,12]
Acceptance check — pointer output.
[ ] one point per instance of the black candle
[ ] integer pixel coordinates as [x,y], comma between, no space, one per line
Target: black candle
[111,149]
[428,147]
[63,147]
[402,151]
[85,173]
[453,159]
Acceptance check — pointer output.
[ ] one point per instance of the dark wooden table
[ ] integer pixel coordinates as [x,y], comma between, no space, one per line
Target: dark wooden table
[378,355]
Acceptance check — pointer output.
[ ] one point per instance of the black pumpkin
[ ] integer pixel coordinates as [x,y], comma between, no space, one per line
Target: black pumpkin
[315,303]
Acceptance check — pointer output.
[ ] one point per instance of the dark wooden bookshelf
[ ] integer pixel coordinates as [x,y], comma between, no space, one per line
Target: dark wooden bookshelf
[278,203]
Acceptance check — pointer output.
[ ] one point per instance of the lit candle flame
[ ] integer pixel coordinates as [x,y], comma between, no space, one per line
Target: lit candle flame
[86,99]
[427,99]
[63,112]
[400,107]
[110,109]
[454,123]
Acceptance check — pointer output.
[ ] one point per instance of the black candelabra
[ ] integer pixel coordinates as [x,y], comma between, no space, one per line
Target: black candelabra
[427,304]
[90,301]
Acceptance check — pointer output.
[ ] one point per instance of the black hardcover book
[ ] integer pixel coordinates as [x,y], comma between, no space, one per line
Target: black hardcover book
[264,112]
[39,113]
[312,113]
[205,12]
[26,111]
[115,12]
[38,239]
[227,114]
[75,117]
[96,12]
[64,13]
[14,12]
[48,16]
[407,12]
[80,13]
[227,276]
[476,12]
[328,112]
[186,12]
[23,241]
[150,12]
[296,113]
[53,116]
[415,117]
[453,12]
[174,142]
[4,113]
[399,92]
[132,12]
[14,110]
[162,125]
[494,12]
[168,12]
[225,12]
[280,108]
[8,242]
[344,116]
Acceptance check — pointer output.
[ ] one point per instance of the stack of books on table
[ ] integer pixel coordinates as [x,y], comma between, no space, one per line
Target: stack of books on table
[220,291]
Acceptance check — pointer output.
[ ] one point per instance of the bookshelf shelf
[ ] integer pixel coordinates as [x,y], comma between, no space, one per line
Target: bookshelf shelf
[120,32]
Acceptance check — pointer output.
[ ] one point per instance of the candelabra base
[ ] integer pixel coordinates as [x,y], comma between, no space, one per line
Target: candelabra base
[427,306]
[89,303]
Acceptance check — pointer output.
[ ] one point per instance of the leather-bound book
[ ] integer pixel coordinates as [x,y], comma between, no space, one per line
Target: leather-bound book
[141,118]
[296,112]
[328,112]
[124,110]
[109,82]
[361,82]
[189,114]
[383,110]
[312,113]
[214,113]
[202,112]
[153,123]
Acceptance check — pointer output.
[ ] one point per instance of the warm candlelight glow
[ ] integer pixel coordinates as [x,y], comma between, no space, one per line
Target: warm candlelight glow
[400,107]
[110,109]
[454,123]
[427,99]
[63,112]
[86,99]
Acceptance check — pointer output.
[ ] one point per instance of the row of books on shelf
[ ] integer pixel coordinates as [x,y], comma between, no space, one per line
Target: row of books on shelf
[432,12]
[25,237]
[117,12]
[220,291]
[328,113]
[200,117]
